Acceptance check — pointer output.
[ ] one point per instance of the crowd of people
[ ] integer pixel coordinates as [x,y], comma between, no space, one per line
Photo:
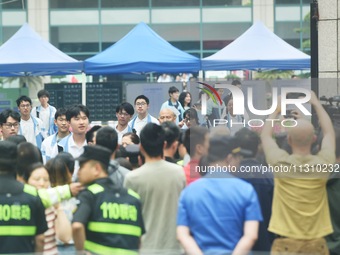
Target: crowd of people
[171,184]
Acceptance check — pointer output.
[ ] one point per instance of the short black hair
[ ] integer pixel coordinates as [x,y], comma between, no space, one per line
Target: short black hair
[68,160]
[127,107]
[5,114]
[107,137]
[90,133]
[60,112]
[75,110]
[42,93]
[171,131]
[152,138]
[28,154]
[173,89]
[23,99]
[194,136]
[142,97]
[17,139]
[134,137]
[249,140]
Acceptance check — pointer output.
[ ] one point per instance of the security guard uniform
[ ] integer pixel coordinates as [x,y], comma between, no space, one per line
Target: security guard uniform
[22,216]
[112,217]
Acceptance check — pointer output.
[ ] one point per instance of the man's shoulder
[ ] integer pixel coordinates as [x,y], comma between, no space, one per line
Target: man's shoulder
[154,120]
[63,142]
[38,122]
[169,166]
[53,108]
[49,139]
[115,165]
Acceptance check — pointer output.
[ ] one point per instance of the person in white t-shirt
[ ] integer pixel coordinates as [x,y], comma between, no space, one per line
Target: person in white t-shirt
[50,144]
[30,127]
[45,113]
[124,112]
[142,117]
[78,118]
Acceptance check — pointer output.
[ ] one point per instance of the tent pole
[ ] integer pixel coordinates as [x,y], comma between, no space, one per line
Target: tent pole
[83,88]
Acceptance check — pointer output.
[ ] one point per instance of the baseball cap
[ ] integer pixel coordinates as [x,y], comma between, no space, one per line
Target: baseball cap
[95,152]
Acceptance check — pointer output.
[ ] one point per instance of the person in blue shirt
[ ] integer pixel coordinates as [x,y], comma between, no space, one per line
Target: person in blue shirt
[219,214]
[173,102]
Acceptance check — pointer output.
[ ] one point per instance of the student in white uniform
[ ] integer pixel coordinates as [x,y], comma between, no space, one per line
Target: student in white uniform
[78,118]
[50,144]
[124,112]
[30,127]
[45,113]
[142,117]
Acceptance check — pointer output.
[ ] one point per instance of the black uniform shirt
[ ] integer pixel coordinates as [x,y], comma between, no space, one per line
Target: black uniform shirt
[111,215]
[22,216]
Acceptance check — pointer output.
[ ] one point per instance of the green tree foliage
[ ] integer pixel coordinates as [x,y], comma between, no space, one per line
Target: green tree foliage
[26,81]
[274,75]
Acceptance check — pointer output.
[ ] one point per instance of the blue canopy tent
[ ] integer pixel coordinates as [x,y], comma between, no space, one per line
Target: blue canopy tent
[257,48]
[141,50]
[27,54]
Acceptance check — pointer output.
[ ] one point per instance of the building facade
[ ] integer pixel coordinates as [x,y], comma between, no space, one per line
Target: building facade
[82,28]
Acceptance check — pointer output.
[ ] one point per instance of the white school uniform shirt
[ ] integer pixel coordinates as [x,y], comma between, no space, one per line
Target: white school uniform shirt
[138,124]
[71,147]
[121,133]
[49,148]
[32,129]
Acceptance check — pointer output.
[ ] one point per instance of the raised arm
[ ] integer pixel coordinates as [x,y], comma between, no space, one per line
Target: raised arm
[325,123]
[267,139]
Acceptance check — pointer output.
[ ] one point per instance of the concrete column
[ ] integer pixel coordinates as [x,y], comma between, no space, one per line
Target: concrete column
[263,10]
[38,17]
[329,38]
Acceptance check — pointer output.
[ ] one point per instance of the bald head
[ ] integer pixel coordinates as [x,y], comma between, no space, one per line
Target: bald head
[302,135]
[166,114]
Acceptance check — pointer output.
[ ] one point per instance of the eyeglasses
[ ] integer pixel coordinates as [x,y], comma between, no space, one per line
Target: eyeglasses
[9,125]
[123,114]
[141,104]
[186,119]
[25,106]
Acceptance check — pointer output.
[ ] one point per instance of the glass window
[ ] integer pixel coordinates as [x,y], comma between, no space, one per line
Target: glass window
[75,39]
[124,3]
[81,57]
[290,2]
[10,5]
[215,45]
[78,47]
[226,2]
[7,32]
[187,45]
[175,3]
[81,4]
[291,33]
